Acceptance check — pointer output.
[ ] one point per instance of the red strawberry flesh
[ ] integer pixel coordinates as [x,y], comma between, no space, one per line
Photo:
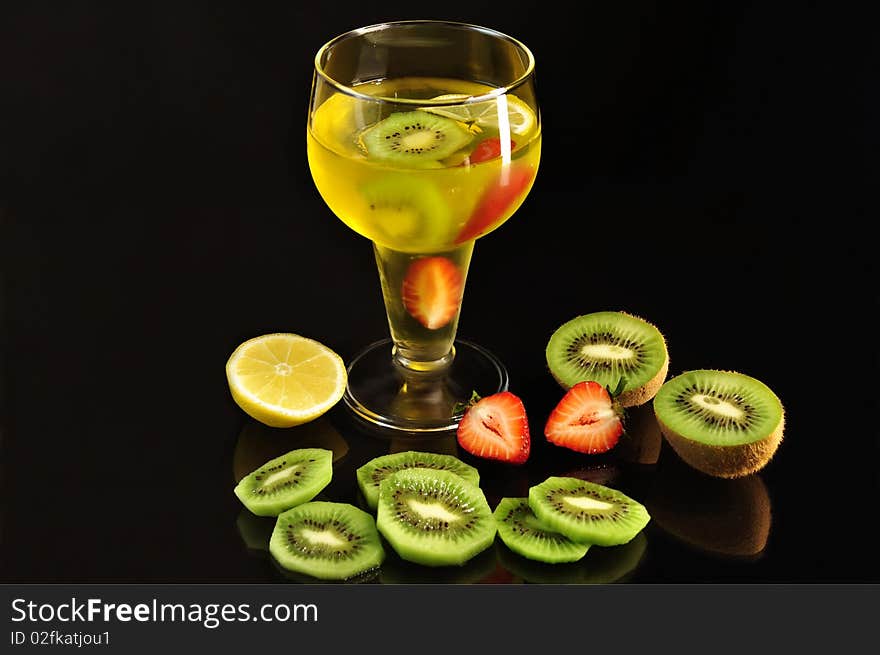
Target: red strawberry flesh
[496,427]
[496,201]
[431,291]
[585,420]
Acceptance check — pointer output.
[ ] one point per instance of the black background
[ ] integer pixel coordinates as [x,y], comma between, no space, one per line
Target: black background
[703,167]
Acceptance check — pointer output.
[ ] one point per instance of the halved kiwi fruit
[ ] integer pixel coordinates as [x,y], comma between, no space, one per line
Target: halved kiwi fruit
[329,541]
[587,512]
[407,208]
[611,348]
[526,535]
[371,474]
[414,139]
[722,423]
[286,481]
[435,518]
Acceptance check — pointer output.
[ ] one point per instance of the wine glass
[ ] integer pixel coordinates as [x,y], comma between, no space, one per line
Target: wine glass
[422,137]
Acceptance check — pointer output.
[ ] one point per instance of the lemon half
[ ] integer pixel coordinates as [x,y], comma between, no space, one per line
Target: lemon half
[284,379]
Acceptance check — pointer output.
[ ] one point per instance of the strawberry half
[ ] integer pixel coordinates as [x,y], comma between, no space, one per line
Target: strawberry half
[431,292]
[496,201]
[496,427]
[585,420]
[488,149]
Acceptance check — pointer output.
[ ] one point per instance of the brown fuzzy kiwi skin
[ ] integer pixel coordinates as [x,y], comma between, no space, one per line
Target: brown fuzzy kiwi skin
[647,391]
[725,461]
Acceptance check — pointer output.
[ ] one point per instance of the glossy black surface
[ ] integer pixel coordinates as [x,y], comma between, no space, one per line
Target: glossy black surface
[703,168]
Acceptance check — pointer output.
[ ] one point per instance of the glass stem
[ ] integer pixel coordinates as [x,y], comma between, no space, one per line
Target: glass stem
[423,294]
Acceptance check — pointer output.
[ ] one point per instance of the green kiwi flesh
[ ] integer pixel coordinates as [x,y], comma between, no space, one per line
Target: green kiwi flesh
[328,541]
[722,423]
[586,512]
[286,481]
[406,208]
[608,347]
[435,518]
[414,139]
[526,535]
[371,474]
[599,566]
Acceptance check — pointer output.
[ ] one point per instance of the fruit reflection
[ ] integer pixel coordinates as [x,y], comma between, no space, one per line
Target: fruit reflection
[258,443]
[642,439]
[728,518]
[480,568]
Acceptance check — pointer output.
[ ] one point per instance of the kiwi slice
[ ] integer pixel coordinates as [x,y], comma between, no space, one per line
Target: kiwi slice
[328,541]
[722,423]
[407,209]
[587,512]
[414,139]
[525,534]
[619,351]
[286,481]
[600,566]
[434,518]
[371,474]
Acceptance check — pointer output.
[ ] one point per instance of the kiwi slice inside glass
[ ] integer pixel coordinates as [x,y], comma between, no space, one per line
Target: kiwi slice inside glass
[611,348]
[526,535]
[414,139]
[435,518]
[586,512]
[722,423]
[407,209]
[286,481]
[371,474]
[328,541]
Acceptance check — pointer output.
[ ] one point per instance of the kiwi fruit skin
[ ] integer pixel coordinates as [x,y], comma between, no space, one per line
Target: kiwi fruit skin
[371,474]
[524,534]
[435,545]
[732,461]
[364,550]
[622,527]
[628,397]
[317,476]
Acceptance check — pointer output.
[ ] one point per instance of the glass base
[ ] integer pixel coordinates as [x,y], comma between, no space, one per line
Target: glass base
[396,400]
